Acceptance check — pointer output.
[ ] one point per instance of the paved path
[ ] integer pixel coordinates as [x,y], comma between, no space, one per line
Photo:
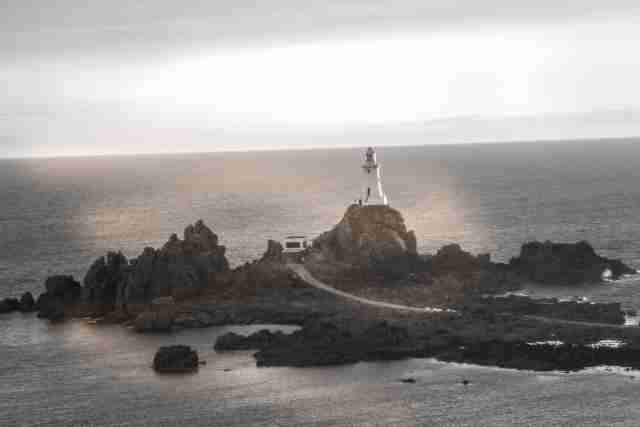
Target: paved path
[305,276]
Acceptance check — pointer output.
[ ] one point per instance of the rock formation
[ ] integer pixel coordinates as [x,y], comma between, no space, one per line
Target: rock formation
[101,282]
[175,358]
[181,268]
[452,259]
[373,239]
[159,317]
[269,272]
[62,293]
[565,263]
[25,304]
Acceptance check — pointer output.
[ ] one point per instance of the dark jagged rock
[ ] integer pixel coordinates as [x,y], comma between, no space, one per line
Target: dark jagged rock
[542,357]
[101,283]
[50,307]
[62,294]
[274,251]
[27,303]
[64,287]
[268,273]
[325,343]
[180,269]
[547,307]
[565,263]
[496,340]
[12,304]
[452,259]
[8,305]
[175,358]
[373,239]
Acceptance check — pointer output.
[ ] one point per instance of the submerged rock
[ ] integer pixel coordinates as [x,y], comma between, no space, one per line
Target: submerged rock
[255,341]
[175,358]
[565,263]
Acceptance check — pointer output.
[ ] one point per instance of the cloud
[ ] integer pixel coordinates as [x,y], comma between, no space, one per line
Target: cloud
[123,26]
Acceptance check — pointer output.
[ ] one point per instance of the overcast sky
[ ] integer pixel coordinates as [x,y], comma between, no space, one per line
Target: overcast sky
[81,76]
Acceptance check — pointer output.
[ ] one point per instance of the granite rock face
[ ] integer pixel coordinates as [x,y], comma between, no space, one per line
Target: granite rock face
[565,263]
[372,238]
[175,358]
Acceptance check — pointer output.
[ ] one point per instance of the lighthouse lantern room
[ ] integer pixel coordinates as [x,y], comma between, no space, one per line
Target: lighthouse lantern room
[372,192]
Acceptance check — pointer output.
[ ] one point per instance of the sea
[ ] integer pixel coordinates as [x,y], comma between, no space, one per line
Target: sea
[57,215]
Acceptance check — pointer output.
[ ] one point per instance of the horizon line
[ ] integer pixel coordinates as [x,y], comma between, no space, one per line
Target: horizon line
[318,147]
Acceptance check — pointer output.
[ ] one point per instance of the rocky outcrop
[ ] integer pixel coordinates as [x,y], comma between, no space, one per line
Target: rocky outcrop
[270,272]
[452,259]
[274,251]
[325,343]
[180,269]
[565,263]
[546,307]
[61,296]
[101,283]
[495,340]
[8,305]
[175,358]
[159,317]
[373,239]
[27,303]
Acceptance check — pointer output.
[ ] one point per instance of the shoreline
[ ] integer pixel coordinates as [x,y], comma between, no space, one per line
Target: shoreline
[360,292]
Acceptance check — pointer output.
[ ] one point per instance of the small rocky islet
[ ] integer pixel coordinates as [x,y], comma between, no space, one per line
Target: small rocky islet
[188,283]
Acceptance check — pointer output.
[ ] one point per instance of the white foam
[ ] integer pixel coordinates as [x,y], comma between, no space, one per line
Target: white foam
[611,343]
[631,320]
[554,343]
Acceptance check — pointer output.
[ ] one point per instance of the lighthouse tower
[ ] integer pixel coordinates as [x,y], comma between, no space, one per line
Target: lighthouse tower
[372,192]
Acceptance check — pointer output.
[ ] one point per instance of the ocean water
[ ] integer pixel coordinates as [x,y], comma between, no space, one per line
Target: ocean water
[58,215]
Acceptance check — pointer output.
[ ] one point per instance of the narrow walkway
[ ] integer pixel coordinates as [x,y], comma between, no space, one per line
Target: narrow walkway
[305,276]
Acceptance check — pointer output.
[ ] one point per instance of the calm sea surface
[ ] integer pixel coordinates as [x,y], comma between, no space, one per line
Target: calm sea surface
[58,215]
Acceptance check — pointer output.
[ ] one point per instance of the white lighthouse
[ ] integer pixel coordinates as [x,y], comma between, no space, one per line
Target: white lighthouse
[372,191]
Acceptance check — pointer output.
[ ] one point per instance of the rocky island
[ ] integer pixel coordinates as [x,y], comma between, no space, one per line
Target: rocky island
[372,296]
